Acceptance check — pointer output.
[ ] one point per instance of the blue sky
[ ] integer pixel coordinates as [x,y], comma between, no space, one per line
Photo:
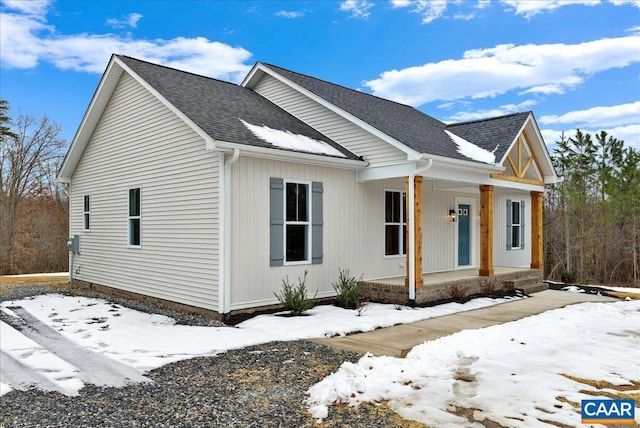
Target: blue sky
[574,63]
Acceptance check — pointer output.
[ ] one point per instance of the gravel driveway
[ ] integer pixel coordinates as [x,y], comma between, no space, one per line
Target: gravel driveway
[259,386]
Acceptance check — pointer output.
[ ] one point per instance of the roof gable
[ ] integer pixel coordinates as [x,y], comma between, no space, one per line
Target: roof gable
[217,110]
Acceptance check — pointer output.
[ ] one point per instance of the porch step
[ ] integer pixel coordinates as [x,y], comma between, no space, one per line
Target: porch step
[527,285]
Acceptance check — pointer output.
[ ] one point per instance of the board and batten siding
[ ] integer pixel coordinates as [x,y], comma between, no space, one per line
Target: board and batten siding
[502,256]
[139,142]
[374,150]
[439,233]
[353,230]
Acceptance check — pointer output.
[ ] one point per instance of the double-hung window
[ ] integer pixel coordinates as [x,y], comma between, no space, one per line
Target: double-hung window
[86,212]
[515,224]
[296,222]
[395,223]
[134,217]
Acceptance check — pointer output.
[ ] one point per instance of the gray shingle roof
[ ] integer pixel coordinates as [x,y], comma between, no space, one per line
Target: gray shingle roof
[408,125]
[489,133]
[217,107]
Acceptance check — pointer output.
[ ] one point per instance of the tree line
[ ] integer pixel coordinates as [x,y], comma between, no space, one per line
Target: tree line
[592,217]
[33,206]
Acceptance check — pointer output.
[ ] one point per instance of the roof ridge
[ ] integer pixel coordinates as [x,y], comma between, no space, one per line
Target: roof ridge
[487,119]
[175,69]
[341,86]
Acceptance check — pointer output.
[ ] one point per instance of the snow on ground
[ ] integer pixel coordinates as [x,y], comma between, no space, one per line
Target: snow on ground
[147,341]
[511,373]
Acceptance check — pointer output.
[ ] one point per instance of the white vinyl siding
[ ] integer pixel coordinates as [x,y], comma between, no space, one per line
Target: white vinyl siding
[357,140]
[140,142]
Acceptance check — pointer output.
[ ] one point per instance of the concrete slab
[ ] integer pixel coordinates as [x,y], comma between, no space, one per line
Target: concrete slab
[453,323]
[397,341]
[350,344]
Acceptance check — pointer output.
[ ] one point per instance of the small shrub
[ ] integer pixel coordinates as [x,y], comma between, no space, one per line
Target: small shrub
[295,298]
[568,277]
[348,289]
[456,292]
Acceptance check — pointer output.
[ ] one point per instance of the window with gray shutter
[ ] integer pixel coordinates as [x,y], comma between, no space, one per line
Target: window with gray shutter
[296,212]
[515,224]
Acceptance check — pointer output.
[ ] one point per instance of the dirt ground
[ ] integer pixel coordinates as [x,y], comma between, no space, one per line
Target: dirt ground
[60,280]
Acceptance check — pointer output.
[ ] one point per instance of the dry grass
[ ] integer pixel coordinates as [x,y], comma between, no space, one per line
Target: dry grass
[53,281]
[608,389]
[623,294]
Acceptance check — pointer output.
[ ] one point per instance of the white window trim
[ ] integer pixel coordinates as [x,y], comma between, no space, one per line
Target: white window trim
[129,217]
[286,222]
[86,214]
[384,224]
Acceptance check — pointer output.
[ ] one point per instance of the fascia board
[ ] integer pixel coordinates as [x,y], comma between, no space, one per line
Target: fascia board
[515,140]
[287,156]
[206,137]
[89,121]
[411,153]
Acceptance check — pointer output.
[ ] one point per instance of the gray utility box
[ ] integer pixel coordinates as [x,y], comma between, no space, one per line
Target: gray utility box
[74,244]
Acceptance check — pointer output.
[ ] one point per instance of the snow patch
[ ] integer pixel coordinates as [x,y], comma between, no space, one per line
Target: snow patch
[470,150]
[290,141]
[509,372]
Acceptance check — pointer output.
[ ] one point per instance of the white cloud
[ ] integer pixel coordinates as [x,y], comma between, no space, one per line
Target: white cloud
[33,8]
[531,8]
[359,8]
[489,72]
[465,116]
[27,40]
[289,14]
[429,9]
[620,121]
[130,20]
[601,116]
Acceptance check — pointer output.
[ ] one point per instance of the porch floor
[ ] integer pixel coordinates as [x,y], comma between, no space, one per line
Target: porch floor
[456,284]
[432,278]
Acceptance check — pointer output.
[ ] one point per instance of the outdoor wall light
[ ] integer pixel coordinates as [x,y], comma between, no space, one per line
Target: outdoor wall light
[452,214]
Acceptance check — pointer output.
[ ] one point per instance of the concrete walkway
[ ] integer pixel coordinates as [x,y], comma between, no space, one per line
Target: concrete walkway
[398,340]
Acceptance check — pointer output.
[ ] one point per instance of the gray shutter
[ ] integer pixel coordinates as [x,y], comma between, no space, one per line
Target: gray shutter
[316,223]
[522,217]
[277,221]
[509,224]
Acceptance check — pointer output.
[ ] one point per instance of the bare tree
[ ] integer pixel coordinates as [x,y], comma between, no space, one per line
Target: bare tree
[29,155]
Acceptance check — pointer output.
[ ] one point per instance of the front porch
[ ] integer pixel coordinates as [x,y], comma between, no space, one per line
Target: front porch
[455,284]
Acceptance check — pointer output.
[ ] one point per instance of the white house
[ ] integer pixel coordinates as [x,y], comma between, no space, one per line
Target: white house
[205,193]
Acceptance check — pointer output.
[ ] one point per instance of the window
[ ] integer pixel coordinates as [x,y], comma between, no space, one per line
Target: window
[515,225]
[86,212]
[395,223]
[296,222]
[134,216]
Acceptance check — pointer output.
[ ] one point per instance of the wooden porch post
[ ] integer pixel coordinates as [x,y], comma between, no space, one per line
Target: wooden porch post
[486,230]
[417,212]
[537,260]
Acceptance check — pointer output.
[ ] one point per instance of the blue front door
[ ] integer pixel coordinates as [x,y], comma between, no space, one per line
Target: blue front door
[463,234]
